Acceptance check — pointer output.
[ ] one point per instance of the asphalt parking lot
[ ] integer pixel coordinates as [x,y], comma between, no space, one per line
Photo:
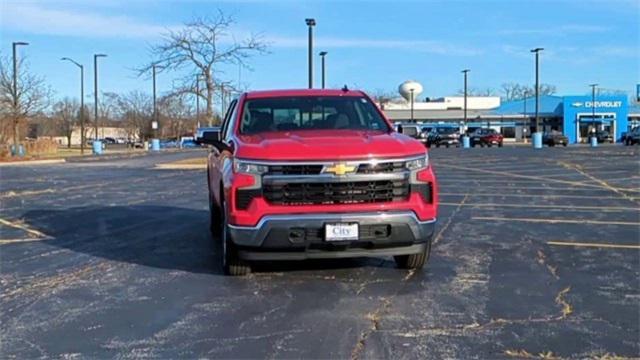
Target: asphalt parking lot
[537,254]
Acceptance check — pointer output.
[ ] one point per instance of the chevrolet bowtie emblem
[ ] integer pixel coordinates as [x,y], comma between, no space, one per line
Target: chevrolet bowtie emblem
[340,169]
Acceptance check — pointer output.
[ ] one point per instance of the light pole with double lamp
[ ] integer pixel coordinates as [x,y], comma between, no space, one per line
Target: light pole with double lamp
[97,148]
[310,24]
[81,101]
[14,45]
[537,138]
[593,113]
[323,54]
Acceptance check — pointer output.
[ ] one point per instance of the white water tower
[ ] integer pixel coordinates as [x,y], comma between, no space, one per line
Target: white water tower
[409,89]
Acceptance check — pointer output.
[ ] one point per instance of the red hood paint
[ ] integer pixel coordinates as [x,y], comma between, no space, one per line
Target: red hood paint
[322,145]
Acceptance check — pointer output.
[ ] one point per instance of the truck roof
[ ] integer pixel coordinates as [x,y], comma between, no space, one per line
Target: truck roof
[302,92]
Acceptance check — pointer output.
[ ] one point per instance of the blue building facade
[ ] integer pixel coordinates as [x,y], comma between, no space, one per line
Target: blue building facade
[611,114]
[576,116]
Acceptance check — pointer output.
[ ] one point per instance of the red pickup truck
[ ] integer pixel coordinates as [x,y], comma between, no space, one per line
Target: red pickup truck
[302,174]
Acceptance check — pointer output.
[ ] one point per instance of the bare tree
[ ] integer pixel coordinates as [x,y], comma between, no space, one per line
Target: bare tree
[66,114]
[200,48]
[471,91]
[513,91]
[176,116]
[29,97]
[135,109]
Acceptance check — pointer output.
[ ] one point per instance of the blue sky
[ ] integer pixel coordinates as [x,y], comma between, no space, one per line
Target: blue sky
[372,45]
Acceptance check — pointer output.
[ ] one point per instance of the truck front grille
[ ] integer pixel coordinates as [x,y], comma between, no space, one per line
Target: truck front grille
[354,192]
[303,169]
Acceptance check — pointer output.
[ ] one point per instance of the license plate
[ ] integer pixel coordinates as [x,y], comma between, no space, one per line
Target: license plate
[341,231]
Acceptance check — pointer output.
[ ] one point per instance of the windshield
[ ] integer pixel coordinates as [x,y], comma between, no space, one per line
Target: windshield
[310,113]
[447,130]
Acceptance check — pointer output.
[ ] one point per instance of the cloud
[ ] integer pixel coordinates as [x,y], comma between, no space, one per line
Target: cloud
[427,46]
[46,20]
[34,18]
[558,30]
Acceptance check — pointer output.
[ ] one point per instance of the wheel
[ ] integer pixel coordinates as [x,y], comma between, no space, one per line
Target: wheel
[231,263]
[489,144]
[500,144]
[447,146]
[414,261]
[437,145]
[552,144]
[473,144]
[564,144]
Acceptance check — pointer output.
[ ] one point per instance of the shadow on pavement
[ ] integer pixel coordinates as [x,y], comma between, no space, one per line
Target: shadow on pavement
[158,236]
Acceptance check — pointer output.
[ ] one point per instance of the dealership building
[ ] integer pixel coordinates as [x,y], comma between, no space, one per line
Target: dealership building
[575,116]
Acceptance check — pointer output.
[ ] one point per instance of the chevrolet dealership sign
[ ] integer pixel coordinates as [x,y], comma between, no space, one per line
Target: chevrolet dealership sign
[598,104]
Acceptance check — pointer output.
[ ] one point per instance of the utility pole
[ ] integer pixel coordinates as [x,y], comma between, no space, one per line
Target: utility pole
[16,114]
[310,24]
[82,140]
[537,52]
[322,56]
[95,93]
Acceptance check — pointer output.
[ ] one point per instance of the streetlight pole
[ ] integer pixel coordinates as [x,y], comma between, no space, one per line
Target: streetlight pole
[322,56]
[593,106]
[310,23]
[537,52]
[465,72]
[95,93]
[15,92]
[412,90]
[81,101]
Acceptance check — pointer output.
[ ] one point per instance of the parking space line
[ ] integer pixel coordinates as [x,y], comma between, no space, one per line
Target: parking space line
[601,182]
[556,221]
[23,227]
[14,241]
[504,173]
[595,245]
[533,195]
[547,206]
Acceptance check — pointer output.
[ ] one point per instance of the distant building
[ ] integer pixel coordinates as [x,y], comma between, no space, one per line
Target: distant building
[571,115]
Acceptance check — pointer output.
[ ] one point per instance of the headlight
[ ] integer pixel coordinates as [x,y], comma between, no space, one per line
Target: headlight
[419,163]
[247,167]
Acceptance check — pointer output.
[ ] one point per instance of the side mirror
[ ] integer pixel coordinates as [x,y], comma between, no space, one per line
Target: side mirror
[212,137]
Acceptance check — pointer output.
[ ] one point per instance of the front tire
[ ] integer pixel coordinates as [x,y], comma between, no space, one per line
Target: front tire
[414,261]
[231,262]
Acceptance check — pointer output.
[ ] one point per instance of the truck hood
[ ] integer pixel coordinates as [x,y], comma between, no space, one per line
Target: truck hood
[320,145]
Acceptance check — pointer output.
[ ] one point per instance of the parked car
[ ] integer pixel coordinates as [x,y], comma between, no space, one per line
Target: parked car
[197,137]
[553,138]
[604,136]
[488,137]
[446,136]
[109,140]
[632,137]
[414,131]
[317,186]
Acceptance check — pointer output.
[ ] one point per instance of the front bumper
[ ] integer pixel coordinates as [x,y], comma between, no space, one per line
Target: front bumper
[298,237]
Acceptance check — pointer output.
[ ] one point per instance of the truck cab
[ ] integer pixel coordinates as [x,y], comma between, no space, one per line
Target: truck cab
[312,174]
